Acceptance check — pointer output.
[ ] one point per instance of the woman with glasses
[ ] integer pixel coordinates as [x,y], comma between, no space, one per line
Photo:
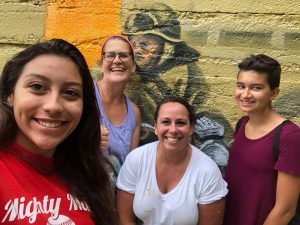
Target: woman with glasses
[120,118]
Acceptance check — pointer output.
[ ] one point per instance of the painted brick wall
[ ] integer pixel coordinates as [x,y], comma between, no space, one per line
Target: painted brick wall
[222,32]
[85,23]
[21,24]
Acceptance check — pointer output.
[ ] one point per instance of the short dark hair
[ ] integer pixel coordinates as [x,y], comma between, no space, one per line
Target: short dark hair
[180,100]
[77,159]
[263,64]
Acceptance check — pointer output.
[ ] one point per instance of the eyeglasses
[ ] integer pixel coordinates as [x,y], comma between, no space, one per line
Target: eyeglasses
[123,56]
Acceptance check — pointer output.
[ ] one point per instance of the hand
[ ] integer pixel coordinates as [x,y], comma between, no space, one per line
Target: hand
[104,138]
[206,127]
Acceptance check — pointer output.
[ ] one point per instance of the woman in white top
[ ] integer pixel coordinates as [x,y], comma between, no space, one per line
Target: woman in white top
[170,181]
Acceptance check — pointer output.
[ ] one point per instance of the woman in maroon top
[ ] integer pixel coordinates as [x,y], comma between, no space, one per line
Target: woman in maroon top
[262,191]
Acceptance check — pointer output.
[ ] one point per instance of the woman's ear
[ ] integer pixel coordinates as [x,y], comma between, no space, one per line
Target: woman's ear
[10,100]
[100,70]
[133,67]
[275,93]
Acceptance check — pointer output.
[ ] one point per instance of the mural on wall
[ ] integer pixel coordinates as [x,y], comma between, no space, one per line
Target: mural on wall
[166,65]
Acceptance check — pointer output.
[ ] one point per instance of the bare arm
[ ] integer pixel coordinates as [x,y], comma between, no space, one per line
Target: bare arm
[136,133]
[211,214]
[125,207]
[287,194]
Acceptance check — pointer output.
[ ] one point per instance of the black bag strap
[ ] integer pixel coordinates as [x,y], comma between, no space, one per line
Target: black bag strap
[277,139]
[238,124]
[296,218]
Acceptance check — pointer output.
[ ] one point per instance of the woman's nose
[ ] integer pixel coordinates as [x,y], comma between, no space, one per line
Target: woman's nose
[173,127]
[53,104]
[246,92]
[117,58]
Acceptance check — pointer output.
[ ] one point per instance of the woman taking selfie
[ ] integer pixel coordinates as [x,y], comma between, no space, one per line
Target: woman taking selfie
[51,169]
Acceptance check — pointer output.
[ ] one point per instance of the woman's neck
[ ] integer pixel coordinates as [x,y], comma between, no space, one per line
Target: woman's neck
[174,158]
[110,93]
[261,124]
[264,117]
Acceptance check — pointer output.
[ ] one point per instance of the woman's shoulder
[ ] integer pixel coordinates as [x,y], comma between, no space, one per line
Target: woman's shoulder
[290,130]
[143,151]
[292,125]
[202,160]
[133,104]
[134,111]
[203,168]
[136,108]
[242,121]
[140,157]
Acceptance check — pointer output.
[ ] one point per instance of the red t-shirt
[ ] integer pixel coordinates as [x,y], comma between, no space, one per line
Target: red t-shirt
[32,193]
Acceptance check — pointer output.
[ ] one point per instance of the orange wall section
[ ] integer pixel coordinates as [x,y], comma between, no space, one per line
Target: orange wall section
[85,23]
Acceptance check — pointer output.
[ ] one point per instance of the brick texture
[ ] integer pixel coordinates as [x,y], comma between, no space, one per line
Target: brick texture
[222,32]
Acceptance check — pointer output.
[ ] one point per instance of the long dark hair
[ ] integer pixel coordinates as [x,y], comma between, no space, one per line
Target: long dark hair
[77,159]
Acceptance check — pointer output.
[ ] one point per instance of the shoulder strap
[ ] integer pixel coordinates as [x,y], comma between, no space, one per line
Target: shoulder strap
[276,136]
[296,218]
[130,113]
[277,139]
[238,124]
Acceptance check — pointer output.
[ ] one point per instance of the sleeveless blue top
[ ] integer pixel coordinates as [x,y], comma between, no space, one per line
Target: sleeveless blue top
[119,135]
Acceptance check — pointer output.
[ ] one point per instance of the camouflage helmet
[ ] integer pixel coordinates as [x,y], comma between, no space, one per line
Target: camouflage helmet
[161,21]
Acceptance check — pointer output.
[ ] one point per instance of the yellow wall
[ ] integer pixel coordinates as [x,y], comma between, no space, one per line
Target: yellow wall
[21,24]
[222,32]
[84,23]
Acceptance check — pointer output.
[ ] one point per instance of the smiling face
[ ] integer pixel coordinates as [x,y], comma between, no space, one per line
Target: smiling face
[117,70]
[47,103]
[253,93]
[173,127]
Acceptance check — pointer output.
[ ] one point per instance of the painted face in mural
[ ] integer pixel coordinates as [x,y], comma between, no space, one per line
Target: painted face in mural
[173,127]
[148,49]
[47,103]
[253,93]
[119,68]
